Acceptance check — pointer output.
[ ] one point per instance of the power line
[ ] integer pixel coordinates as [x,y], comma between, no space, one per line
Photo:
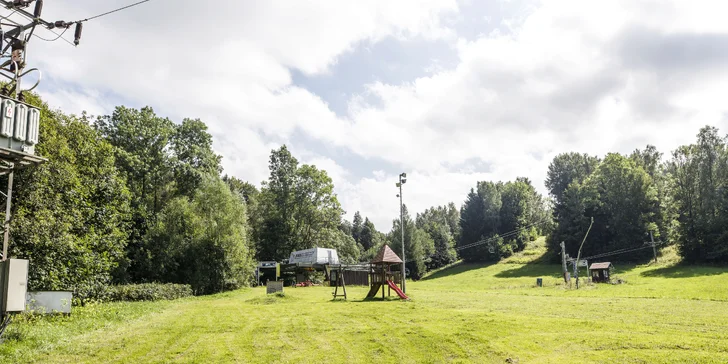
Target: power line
[491,239]
[619,251]
[504,235]
[112,11]
[55,39]
[8,17]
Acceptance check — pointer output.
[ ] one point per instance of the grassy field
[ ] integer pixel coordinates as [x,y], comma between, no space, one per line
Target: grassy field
[465,313]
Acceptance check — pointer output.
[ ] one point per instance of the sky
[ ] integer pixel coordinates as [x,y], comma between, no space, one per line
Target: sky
[450,92]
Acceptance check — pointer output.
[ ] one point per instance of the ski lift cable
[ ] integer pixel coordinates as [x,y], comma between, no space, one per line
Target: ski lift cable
[112,11]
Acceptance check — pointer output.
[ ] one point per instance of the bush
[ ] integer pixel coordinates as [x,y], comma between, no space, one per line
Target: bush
[148,292]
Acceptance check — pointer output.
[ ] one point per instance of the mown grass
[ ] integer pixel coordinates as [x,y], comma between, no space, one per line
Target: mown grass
[467,313]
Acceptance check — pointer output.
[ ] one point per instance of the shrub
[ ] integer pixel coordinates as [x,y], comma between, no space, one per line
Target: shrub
[148,292]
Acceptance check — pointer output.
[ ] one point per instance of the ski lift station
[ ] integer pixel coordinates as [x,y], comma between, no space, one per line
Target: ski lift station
[314,256]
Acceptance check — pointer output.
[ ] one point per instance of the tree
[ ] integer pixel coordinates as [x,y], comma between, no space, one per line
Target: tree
[478,223]
[140,139]
[344,244]
[567,168]
[419,247]
[276,204]
[521,208]
[250,195]
[453,220]
[699,176]
[203,241]
[371,241]
[666,211]
[434,221]
[70,214]
[367,234]
[357,227]
[298,207]
[621,198]
[194,157]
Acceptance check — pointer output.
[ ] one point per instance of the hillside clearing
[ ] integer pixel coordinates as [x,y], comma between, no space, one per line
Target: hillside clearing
[466,313]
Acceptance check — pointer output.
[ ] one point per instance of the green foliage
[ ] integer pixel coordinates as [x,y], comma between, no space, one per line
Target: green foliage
[203,241]
[194,158]
[436,223]
[419,246]
[514,210]
[522,211]
[251,196]
[147,292]
[699,174]
[356,227]
[567,168]
[141,142]
[70,214]
[344,244]
[622,199]
[298,209]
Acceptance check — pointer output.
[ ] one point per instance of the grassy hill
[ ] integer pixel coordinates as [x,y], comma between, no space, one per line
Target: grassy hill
[465,313]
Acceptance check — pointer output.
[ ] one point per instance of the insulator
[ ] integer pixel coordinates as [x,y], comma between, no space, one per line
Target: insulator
[38,8]
[77,36]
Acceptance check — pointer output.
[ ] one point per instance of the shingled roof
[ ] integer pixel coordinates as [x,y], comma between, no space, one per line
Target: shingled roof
[386,255]
[604,265]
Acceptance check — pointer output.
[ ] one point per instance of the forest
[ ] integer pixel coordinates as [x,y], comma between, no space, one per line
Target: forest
[134,197]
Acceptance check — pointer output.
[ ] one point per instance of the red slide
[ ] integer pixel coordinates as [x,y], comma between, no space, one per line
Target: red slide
[396,289]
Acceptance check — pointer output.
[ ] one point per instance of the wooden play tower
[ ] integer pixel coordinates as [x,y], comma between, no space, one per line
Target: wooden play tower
[381,274]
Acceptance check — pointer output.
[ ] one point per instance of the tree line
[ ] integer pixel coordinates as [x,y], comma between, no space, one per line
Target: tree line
[134,197]
[681,200]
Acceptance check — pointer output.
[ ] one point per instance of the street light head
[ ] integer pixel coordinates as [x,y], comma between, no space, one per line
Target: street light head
[403,175]
[404,180]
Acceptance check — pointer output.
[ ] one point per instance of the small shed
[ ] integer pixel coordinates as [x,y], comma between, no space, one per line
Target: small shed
[601,272]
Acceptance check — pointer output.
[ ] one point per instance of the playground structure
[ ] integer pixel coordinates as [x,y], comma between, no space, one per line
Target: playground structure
[381,274]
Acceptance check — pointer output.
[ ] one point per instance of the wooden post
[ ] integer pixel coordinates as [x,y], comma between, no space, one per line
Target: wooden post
[384,278]
[343,282]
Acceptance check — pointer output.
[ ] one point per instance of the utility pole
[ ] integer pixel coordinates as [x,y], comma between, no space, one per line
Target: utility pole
[563,261]
[578,255]
[402,180]
[654,249]
[8,204]
[17,38]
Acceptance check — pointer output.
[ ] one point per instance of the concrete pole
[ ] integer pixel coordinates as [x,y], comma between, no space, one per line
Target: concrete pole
[8,205]
[563,261]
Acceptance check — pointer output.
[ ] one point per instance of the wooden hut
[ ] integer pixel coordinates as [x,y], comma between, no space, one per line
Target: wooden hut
[601,272]
[381,273]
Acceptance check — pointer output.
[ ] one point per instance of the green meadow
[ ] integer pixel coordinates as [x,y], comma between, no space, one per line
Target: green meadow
[465,313]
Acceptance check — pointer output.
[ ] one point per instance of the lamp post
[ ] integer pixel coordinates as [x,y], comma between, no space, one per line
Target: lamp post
[402,180]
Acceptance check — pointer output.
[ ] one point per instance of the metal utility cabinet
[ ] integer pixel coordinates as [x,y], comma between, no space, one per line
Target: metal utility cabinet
[14,281]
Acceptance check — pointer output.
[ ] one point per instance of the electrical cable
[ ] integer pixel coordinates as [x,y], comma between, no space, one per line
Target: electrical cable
[52,40]
[112,11]
[619,251]
[8,17]
[504,235]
